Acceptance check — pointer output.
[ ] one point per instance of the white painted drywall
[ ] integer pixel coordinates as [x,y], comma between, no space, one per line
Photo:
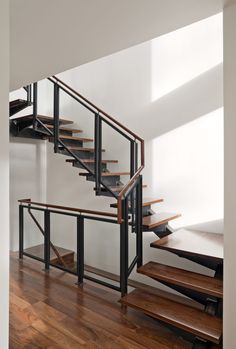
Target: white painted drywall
[184,146]
[48,37]
[28,161]
[230,175]
[4,170]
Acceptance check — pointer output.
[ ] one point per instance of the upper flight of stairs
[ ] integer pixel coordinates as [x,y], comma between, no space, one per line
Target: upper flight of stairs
[201,324]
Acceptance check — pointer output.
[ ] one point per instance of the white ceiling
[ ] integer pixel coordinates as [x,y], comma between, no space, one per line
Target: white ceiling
[48,37]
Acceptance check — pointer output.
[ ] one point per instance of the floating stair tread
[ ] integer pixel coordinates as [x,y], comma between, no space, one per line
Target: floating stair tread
[45,119]
[18,102]
[157,219]
[38,251]
[62,128]
[107,174]
[119,188]
[91,161]
[92,150]
[79,139]
[193,242]
[182,316]
[190,280]
[146,202]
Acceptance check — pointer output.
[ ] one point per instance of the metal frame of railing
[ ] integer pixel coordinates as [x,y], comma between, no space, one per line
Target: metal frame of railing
[99,117]
[129,199]
[81,215]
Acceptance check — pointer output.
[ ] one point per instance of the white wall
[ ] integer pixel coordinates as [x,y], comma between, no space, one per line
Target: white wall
[184,166]
[68,34]
[4,169]
[28,161]
[230,175]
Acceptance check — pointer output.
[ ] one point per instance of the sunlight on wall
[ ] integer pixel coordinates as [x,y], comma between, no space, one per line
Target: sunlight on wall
[182,55]
[188,169]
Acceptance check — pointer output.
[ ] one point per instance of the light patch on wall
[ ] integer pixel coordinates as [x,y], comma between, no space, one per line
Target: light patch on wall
[188,169]
[184,54]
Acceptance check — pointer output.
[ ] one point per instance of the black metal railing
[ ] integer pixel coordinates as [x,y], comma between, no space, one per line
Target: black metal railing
[81,216]
[129,199]
[100,117]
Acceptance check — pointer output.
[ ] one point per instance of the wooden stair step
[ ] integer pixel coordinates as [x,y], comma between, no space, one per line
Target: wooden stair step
[43,118]
[38,251]
[146,202]
[17,102]
[157,219]
[91,161]
[190,280]
[118,188]
[18,105]
[179,315]
[191,242]
[62,128]
[79,139]
[92,150]
[107,174]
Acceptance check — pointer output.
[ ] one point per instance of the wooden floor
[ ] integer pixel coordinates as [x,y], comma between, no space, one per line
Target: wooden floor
[52,312]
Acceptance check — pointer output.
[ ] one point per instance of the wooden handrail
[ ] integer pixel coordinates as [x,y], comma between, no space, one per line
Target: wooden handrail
[99,110]
[66,208]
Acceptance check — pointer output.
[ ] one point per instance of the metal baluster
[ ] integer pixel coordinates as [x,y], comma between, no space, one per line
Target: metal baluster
[80,249]
[56,116]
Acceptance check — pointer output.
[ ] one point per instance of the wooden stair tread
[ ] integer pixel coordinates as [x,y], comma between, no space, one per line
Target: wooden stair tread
[146,202]
[79,139]
[17,102]
[91,161]
[45,119]
[38,251]
[92,150]
[119,188]
[182,316]
[157,219]
[193,242]
[107,174]
[75,130]
[190,280]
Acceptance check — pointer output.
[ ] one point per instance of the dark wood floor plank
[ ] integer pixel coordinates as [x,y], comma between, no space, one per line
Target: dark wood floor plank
[68,316]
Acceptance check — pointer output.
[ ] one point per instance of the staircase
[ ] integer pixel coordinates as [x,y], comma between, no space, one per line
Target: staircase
[201,321]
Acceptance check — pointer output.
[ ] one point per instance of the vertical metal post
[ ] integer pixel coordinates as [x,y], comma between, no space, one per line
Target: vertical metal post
[35,103]
[124,249]
[98,152]
[132,158]
[47,239]
[139,222]
[56,116]
[29,94]
[132,172]
[21,231]
[136,156]
[80,249]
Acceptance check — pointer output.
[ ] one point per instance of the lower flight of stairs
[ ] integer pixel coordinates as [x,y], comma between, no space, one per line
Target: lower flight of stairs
[203,326]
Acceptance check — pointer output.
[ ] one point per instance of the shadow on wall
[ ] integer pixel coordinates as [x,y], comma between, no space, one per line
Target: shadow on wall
[216,226]
[196,98]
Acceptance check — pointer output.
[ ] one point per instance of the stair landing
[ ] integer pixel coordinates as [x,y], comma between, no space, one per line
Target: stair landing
[193,242]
